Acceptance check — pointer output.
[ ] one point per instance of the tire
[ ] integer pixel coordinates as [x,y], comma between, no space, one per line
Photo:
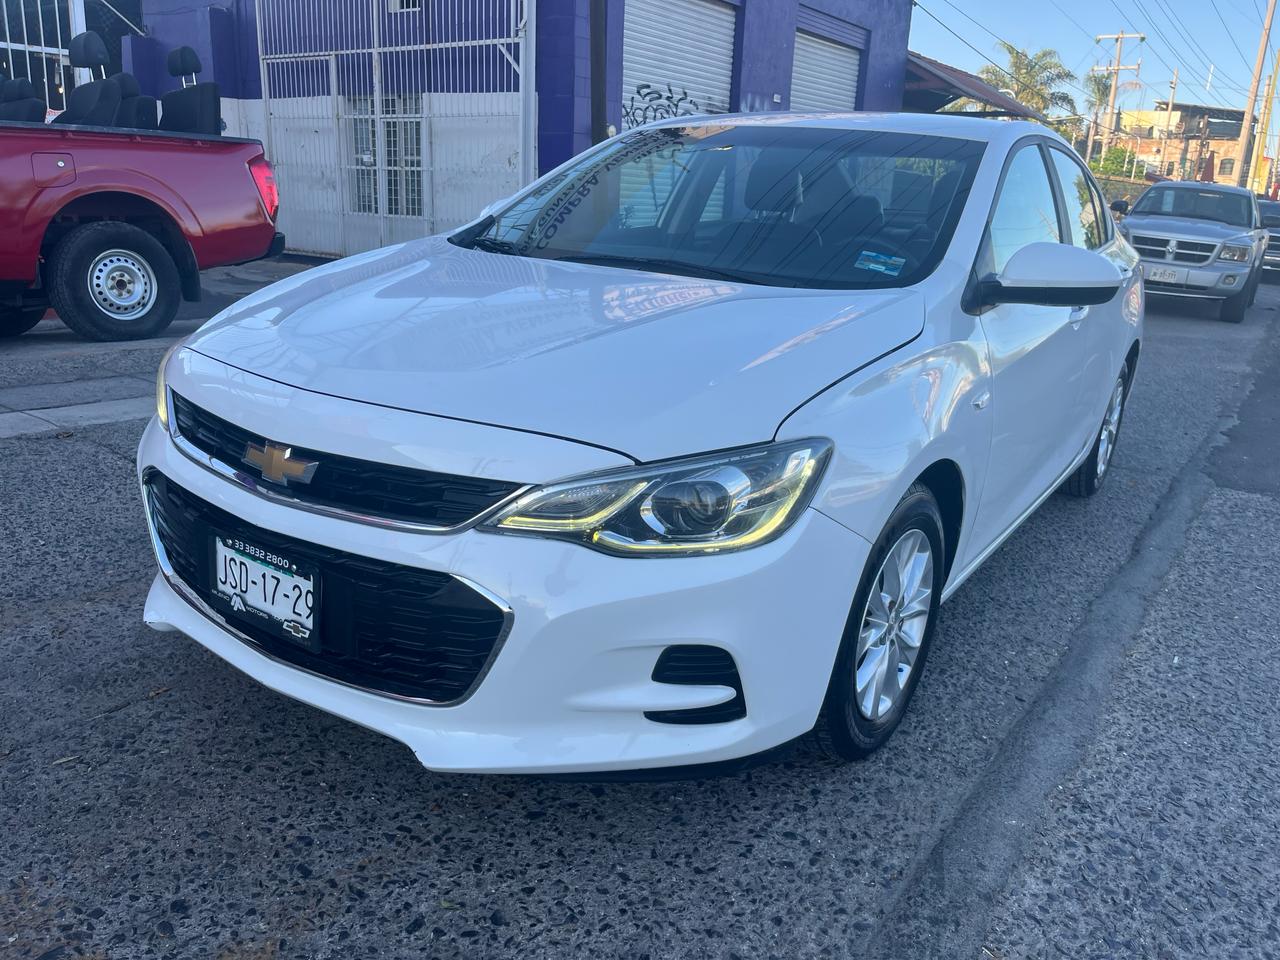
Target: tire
[15,321]
[1232,308]
[113,281]
[1090,475]
[846,729]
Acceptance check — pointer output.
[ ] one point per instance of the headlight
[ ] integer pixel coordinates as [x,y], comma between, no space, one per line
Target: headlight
[710,504]
[1235,254]
[162,387]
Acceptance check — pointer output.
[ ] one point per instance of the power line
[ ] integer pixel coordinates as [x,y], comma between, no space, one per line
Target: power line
[1072,20]
[1230,35]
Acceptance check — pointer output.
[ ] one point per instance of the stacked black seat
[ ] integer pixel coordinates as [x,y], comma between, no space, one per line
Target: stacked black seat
[196,107]
[90,104]
[18,101]
[136,111]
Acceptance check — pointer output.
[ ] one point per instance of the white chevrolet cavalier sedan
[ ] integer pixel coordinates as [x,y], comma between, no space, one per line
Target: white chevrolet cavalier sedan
[668,459]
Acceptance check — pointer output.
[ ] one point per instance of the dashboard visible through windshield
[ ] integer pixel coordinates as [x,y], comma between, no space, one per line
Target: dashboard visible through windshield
[778,205]
[1230,208]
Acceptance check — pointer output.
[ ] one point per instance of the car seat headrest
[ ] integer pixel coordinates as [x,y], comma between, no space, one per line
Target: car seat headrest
[87,50]
[183,61]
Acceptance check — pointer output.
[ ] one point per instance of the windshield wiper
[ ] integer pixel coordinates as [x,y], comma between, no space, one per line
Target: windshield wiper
[472,237]
[493,245]
[679,267]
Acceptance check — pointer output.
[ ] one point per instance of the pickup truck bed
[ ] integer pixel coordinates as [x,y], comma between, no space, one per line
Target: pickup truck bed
[112,227]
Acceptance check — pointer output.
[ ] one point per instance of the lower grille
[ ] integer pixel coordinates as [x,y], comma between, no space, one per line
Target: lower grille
[704,666]
[1156,286]
[383,626]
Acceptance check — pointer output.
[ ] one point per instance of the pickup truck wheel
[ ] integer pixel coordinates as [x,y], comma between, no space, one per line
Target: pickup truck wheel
[1233,308]
[15,321]
[113,281]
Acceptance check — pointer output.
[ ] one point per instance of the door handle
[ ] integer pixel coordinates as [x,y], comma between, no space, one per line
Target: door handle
[1076,315]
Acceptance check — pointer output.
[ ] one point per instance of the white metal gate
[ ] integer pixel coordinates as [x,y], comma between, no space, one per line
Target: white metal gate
[388,120]
[677,58]
[34,36]
[824,74]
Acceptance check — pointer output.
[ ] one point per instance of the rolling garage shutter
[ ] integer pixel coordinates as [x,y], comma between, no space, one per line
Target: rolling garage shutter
[824,75]
[677,59]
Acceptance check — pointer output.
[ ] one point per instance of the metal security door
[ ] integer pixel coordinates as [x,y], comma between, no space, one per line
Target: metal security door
[677,59]
[824,75]
[389,120]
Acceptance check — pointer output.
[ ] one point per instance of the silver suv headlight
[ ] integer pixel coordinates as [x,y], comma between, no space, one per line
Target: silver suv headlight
[699,505]
[1235,254]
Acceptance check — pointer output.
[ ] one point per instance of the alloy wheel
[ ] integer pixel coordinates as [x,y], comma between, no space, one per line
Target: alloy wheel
[1110,427]
[893,625]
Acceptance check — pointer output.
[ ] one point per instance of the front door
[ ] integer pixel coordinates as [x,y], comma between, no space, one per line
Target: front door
[1038,358]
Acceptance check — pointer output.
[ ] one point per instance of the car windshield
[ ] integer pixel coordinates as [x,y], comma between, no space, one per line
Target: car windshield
[755,203]
[1232,208]
[1270,211]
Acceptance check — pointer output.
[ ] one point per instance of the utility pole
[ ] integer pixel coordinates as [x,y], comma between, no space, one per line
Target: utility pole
[1256,178]
[1108,126]
[1246,122]
[1168,120]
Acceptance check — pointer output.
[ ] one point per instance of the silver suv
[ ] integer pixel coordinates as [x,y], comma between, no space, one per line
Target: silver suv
[1198,240]
[1270,210]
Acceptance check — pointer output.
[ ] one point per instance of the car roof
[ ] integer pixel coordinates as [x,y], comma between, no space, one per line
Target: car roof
[934,124]
[1202,186]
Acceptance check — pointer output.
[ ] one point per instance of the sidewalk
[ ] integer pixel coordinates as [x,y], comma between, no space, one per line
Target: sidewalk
[52,379]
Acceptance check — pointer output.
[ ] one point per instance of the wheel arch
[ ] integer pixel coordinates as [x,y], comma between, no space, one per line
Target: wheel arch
[1131,363]
[945,481]
[133,209]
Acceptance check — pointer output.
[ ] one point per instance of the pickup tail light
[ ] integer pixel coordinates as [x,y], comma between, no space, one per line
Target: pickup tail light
[265,180]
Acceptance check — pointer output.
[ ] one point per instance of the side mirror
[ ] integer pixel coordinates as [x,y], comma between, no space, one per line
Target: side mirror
[1120,206]
[1053,275]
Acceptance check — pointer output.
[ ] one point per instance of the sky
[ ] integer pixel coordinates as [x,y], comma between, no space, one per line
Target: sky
[1190,35]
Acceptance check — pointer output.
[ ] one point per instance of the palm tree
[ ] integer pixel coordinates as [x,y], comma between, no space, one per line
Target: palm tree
[1097,87]
[1034,79]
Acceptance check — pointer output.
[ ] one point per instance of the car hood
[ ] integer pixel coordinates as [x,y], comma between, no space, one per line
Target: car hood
[1209,231]
[647,364]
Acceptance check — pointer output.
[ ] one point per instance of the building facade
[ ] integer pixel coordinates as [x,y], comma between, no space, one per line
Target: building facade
[389,119]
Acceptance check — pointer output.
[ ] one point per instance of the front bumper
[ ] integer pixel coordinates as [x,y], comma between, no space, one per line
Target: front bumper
[570,685]
[1216,280]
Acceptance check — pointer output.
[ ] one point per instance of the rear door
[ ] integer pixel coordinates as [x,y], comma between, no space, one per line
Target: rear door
[1038,355]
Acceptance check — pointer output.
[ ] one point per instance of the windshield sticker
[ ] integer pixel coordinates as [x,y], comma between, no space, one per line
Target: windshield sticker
[880,263]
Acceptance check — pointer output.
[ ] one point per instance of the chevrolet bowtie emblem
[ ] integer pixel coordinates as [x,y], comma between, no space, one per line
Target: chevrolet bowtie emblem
[277,463]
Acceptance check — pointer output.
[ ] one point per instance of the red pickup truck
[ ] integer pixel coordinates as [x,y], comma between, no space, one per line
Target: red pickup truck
[112,227]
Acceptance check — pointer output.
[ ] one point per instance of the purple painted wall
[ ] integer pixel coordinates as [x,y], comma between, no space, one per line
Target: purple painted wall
[223,35]
[765,44]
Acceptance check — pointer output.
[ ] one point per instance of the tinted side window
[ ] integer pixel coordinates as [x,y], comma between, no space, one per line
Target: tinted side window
[1025,212]
[1077,197]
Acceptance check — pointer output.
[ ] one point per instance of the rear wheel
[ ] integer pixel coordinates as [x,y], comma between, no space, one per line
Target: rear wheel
[887,637]
[15,321]
[113,281]
[1089,476]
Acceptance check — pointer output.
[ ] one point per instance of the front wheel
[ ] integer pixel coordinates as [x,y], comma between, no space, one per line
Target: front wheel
[113,281]
[887,637]
[1088,478]
[1233,308]
[15,321]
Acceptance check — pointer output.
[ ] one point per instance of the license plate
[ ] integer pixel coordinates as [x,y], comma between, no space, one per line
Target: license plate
[265,588]
[1165,274]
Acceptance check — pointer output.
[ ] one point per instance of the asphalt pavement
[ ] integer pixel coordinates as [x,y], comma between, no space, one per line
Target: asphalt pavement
[1088,770]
